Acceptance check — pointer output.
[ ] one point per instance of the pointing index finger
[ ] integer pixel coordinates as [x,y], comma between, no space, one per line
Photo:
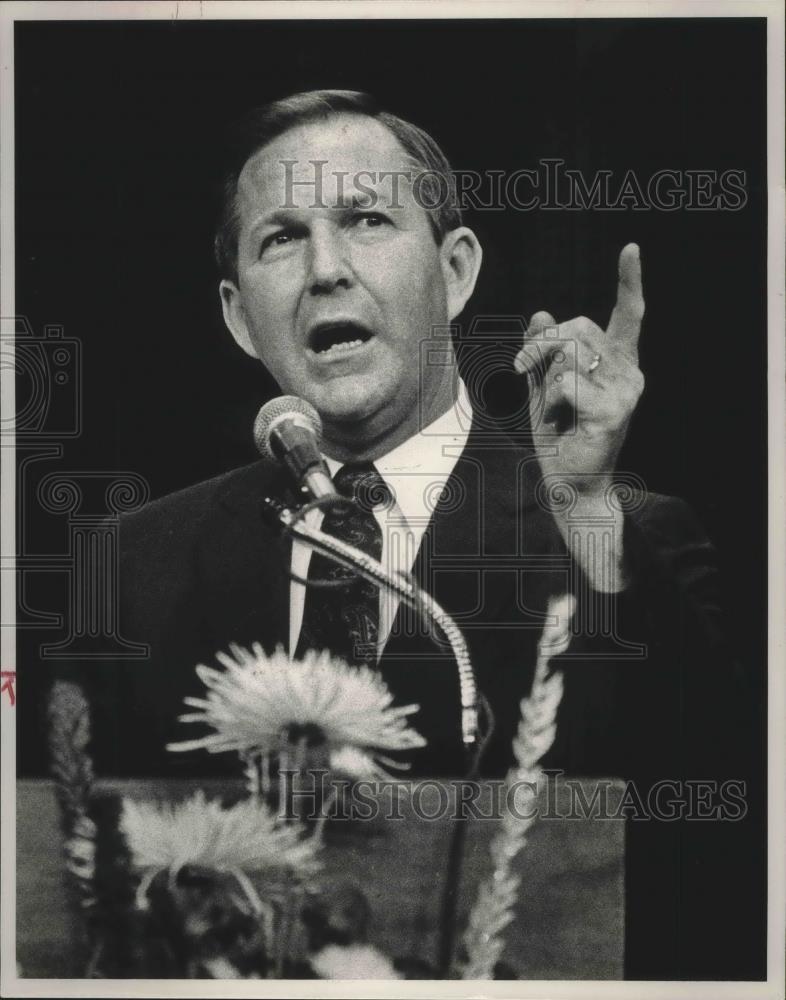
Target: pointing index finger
[628,312]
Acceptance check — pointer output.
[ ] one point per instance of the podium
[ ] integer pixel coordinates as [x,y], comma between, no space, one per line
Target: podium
[570,913]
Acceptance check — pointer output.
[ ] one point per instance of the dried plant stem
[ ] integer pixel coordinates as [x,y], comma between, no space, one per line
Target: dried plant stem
[301,759]
[264,772]
[94,963]
[284,797]
[69,734]
[252,770]
[319,830]
[288,914]
[72,770]
[494,907]
[294,903]
[292,765]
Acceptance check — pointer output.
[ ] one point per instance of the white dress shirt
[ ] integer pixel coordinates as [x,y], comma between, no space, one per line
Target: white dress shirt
[415,472]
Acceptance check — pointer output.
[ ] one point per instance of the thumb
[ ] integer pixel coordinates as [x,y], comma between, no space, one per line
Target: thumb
[540,322]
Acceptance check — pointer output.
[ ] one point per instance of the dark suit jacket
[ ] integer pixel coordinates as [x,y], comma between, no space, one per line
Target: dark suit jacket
[202,568]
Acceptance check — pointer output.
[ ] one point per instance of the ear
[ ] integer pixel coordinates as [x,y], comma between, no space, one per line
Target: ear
[461,255]
[235,316]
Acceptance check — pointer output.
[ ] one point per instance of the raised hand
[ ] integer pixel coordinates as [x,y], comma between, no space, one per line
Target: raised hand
[585,383]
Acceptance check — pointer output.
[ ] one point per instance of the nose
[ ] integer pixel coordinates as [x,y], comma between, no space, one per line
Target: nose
[329,267]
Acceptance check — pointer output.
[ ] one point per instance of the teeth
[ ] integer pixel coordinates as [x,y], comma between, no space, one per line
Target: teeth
[342,346]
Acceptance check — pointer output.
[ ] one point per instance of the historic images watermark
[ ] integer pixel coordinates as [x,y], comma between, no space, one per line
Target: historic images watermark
[551,185]
[314,793]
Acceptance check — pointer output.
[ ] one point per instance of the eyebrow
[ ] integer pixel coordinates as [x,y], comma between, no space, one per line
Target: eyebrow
[355,202]
[279,217]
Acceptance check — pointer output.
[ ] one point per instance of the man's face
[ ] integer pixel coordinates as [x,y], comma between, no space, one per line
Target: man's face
[317,270]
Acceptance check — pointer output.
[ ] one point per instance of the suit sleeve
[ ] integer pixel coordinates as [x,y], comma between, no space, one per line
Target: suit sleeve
[678,723]
[652,663]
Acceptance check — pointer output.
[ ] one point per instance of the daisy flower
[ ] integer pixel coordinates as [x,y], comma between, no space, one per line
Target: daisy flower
[243,838]
[354,961]
[261,703]
[358,765]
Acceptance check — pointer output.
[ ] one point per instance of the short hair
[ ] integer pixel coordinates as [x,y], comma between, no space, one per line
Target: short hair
[262,125]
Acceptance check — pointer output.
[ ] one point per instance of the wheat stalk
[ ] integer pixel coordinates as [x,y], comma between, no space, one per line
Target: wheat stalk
[72,769]
[494,906]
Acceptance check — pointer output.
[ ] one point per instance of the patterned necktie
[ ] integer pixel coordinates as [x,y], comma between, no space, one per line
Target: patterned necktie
[345,619]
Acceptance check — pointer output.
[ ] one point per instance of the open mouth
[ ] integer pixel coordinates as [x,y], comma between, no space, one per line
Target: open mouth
[335,338]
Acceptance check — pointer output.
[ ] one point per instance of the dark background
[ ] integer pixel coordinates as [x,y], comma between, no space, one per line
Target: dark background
[118,146]
[118,149]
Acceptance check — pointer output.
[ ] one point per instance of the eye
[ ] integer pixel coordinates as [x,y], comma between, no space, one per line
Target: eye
[280,238]
[371,220]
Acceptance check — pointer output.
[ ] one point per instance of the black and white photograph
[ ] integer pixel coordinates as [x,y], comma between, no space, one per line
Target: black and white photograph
[392,499]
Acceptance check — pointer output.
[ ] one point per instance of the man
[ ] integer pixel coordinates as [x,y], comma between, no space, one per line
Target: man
[313,261]
[335,285]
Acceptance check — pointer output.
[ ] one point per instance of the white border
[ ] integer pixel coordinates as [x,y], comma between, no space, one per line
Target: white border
[774,988]
[776,354]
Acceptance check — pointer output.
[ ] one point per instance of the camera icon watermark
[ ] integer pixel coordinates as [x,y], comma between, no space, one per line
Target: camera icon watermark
[486,361]
[47,371]
[64,580]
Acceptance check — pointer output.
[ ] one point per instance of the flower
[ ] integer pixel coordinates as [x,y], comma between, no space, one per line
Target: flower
[258,699]
[361,766]
[355,961]
[243,838]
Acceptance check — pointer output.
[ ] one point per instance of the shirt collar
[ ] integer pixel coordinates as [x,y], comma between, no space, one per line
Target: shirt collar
[419,467]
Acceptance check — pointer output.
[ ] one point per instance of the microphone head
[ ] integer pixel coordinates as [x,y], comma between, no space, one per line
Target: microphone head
[283,408]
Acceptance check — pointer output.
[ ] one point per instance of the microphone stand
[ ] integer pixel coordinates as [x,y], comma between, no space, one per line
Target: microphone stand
[402,585]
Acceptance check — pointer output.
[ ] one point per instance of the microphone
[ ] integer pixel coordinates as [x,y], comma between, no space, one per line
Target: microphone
[287,430]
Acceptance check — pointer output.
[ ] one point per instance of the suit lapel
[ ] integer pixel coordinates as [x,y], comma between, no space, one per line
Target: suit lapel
[243,563]
[475,519]
[487,510]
